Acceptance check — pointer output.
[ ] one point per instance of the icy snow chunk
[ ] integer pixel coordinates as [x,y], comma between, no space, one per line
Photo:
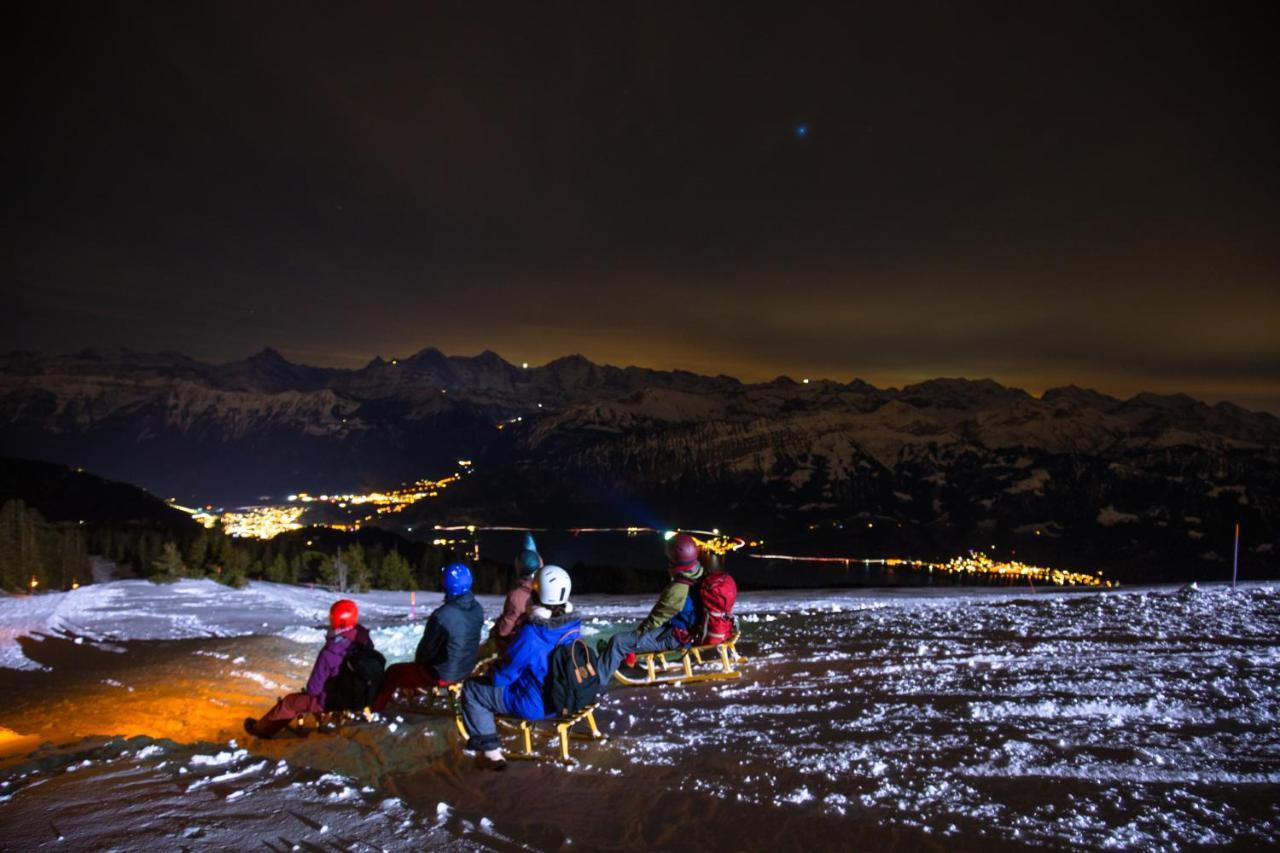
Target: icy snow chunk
[220,760]
[798,796]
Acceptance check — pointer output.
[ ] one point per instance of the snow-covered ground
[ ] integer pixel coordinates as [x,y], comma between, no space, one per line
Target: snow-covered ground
[1141,718]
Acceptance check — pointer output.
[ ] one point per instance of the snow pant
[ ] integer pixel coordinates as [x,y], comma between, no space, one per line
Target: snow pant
[407,677]
[480,702]
[660,639]
[279,717]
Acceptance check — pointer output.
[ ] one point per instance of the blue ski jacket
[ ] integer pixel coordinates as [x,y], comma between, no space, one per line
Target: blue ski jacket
[451,638]
[525,672]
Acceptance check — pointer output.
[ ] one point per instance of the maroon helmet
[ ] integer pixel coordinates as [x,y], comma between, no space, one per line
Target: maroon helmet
[682,552]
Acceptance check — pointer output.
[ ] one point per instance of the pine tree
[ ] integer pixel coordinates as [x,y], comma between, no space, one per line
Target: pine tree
[358,575]
[432,563]
[277,570]
[394,573]
[332,572]
[235,568]
[10,561]
[168,567]
[198,553]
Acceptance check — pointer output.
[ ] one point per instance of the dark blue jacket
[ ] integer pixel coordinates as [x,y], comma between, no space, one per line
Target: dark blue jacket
[525,671]
[452,637]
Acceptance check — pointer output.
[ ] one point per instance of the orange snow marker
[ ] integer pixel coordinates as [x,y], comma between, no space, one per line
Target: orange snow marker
[683,661]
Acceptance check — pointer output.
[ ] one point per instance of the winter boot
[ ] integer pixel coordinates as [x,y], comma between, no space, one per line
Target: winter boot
[491,759]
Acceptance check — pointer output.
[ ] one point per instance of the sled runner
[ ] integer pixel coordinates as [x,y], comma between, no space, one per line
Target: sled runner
[328,721]
[675,665]
[561,727]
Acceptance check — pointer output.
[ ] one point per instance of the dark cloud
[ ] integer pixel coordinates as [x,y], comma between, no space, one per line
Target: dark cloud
[1041,194]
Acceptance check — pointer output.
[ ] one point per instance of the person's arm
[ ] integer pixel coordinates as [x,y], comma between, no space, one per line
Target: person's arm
[433,643]
[669,604]
[519,656]
[512,610]
[327,664]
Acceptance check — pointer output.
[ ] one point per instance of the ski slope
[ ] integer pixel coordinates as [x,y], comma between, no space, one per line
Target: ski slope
[1131,719]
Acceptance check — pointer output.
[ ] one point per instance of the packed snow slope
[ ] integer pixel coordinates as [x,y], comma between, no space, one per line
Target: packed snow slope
[1140,719]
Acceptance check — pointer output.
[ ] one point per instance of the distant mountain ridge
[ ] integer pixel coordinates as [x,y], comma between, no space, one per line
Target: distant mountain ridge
[947,461]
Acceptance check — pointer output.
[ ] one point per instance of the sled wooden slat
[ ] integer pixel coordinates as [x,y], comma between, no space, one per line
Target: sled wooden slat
[562,727]
[657,666]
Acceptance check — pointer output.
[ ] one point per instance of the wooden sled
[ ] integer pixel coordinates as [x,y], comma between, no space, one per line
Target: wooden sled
[560,726]
[440,700]
[677,665]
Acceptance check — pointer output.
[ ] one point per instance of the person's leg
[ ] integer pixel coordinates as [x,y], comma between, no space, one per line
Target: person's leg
[293,705]
[631,642]
[480,702]
[402,676]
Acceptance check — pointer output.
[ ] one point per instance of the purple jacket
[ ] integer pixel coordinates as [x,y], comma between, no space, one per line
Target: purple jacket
[336,647]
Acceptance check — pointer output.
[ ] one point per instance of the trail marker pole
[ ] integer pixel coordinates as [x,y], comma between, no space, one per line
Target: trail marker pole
[1235,559]
[413,604]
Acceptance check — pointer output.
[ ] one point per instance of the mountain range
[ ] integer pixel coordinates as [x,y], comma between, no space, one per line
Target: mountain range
[1150,485]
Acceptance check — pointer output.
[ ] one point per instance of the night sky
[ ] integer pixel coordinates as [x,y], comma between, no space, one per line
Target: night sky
[1040,193]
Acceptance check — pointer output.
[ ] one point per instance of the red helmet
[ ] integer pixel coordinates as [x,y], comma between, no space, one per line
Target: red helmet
[343,614]
[682,551]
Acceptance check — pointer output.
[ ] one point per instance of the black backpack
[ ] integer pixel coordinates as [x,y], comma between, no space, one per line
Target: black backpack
[357,681]
[573,679]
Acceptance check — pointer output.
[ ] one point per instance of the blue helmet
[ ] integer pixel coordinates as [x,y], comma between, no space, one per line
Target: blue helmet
[457,579]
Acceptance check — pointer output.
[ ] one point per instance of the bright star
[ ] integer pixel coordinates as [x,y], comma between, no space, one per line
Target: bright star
[802,130]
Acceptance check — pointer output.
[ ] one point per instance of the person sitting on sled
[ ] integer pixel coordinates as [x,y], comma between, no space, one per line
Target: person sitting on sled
[516,608]
[517,685]
[449,645]
[672,621]
[345,634]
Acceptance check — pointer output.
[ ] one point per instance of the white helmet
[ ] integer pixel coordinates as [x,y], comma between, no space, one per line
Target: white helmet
[554,586]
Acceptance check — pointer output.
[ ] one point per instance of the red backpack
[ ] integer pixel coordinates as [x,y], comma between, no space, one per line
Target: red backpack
[717,593]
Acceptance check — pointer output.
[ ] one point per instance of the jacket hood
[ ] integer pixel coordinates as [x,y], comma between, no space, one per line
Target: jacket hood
[463,601]
[551,630]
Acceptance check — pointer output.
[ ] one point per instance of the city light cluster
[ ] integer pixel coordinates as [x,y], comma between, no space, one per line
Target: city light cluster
[975,563]
[392,500]
[979,563]
[268,520]
[256,522]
